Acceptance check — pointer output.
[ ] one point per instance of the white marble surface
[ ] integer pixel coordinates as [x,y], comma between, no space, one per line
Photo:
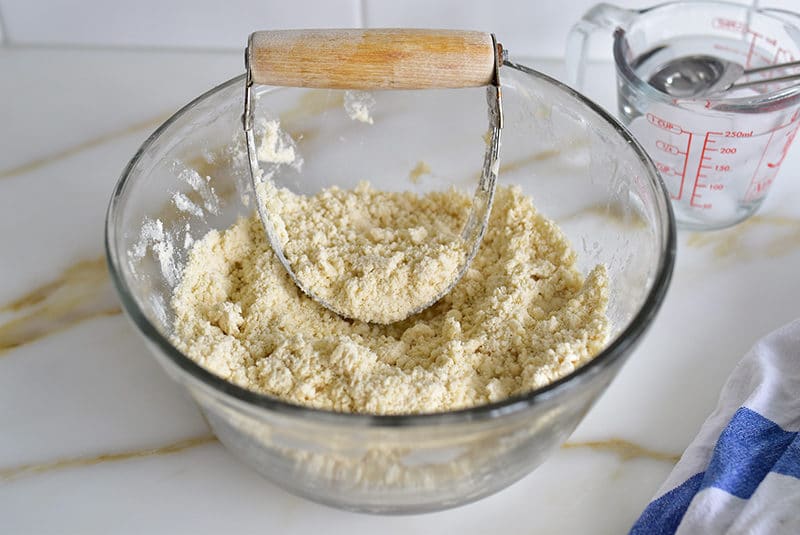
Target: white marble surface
[96,439]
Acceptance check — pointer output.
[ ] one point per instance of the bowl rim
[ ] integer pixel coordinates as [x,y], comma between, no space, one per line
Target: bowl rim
[617,349]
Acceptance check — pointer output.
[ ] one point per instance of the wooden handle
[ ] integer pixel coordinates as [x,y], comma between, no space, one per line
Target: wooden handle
[372,59]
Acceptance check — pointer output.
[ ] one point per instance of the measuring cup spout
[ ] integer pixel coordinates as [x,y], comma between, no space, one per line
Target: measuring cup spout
[602,17]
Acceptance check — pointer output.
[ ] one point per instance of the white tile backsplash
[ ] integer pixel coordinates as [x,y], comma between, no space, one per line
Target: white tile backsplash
[171,23]
[525,27]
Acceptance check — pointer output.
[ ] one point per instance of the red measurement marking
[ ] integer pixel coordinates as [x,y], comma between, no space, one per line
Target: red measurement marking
[782,126]
[782,55]
[662,167]
[664,124]
[729,24]
[685,165]
[667,147]
[784,150]
[730,49]
[764,59]
[759,184]
[747,62]
[752,187]
[700,175]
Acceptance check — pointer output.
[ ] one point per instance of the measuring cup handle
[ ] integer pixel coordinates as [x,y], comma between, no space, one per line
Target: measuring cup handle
[600,17]
[373,58]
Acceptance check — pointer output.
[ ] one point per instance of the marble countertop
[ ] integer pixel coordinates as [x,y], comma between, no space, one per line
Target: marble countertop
[97,439]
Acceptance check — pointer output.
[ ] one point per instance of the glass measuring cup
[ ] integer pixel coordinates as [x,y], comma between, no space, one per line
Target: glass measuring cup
[717,154]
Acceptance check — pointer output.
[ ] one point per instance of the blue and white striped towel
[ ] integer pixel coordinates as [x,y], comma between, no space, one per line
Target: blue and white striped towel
[741,474]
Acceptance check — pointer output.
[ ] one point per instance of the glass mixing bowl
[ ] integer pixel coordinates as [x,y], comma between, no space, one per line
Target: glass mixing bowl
[583,170]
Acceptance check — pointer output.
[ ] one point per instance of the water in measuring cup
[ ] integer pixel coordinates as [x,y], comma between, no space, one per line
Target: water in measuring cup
[717,166]
[650,63]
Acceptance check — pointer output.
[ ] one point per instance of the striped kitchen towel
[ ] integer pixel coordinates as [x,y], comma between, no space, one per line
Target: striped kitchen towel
[741,474]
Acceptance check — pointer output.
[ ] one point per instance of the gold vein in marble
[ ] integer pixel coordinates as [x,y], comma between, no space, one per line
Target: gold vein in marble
[512,166]
[309,104]
[520,163]
[420,169]
[8,474]
[516,165]
[543,155]
[613,212]
[732,243]
[82,292]
[75,149]
[625,449]
[312,103]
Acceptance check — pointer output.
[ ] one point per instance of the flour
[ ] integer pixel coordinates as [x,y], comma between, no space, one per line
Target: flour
[187,237]
[183,203]
[521,317]
[358,105]
[152,236]
[276,146]
[201,185]
[370,255]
